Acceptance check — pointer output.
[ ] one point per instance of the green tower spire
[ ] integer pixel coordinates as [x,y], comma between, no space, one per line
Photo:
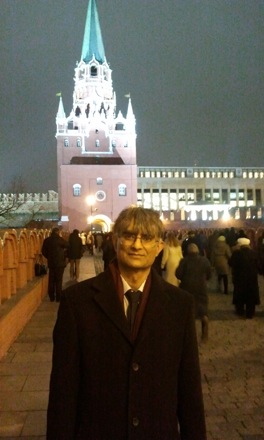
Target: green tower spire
[92,40]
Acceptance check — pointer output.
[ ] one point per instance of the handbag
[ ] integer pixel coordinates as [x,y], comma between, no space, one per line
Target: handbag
[40,267]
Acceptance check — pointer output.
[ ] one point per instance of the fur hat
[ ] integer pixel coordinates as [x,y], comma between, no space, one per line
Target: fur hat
[243,241]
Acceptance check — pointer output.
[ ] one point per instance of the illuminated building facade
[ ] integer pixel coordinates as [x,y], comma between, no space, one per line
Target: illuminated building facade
[201,194]
[96,146]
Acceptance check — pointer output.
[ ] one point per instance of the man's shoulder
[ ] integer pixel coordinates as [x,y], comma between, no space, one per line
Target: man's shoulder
[174,293]
[89,287]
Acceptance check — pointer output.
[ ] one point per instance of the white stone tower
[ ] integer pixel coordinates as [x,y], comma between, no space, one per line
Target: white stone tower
[96,146]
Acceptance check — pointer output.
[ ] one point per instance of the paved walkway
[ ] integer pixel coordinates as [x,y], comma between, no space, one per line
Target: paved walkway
[232,365]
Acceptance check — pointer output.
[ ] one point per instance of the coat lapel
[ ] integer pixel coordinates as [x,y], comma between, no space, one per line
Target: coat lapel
[156,307]
[107,299]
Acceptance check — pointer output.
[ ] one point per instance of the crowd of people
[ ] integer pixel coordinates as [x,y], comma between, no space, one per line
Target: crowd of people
[236,258]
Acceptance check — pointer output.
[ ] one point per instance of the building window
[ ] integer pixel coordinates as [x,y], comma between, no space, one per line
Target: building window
[122,190]
[139,198]
[119,126]
[182,195]
[66,142]
[241,195]
[76,190]
[164,200]
[93,70]
[113,143]
[258,197]
[147,199]
[173,199]
[199,194]
[190,195]
[97,143]
[99,181]
[224,196]
[208,195]
[156,199]
[216,195]
[250,195]
[79,142]
[233,197]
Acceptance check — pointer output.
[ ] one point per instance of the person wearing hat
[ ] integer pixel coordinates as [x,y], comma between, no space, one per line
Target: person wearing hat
[221,254]
[244,264]
[194,271]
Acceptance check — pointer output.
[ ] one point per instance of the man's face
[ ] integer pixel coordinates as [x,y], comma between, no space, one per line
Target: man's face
[135,250]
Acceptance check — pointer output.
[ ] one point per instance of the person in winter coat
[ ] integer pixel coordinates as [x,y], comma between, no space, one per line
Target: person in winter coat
[54,250]
[172,254]
[220,256]
[75,253]
[244,263]
[114,378]
[194,271]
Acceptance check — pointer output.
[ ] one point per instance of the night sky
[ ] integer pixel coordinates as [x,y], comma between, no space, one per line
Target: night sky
[194,69]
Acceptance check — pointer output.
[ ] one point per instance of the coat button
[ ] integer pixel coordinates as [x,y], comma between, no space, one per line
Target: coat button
[135,366]
[135,421]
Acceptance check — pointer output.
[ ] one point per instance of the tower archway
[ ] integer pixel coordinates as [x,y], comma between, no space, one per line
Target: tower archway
[101,223]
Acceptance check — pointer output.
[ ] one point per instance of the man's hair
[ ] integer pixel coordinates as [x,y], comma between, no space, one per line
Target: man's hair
[144,221]
[55,231]
[193,248]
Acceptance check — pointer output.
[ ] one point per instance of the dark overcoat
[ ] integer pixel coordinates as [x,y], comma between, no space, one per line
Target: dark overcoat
[194,271]
[75,250]
[54,248]
[244,265]
[104,387]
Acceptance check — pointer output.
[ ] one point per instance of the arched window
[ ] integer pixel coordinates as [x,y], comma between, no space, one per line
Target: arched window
[66,142]
[99,181]
[97,143]
[122,190]
[93,70]
[76,190]
[79,142]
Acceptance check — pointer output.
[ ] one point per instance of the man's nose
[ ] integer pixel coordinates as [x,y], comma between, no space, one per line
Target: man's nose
[137,242]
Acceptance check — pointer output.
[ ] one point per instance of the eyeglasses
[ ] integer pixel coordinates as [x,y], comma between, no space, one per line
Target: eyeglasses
[131,237]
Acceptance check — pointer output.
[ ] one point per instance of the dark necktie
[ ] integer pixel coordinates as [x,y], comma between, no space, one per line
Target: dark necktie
[133,298]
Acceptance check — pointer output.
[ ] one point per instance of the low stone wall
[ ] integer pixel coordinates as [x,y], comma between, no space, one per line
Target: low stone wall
[20,291]
[16,312]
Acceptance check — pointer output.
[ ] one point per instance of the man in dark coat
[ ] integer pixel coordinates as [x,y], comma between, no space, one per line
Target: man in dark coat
[244,265]
[75,253]
[194,271]
[113,379]
[53,249]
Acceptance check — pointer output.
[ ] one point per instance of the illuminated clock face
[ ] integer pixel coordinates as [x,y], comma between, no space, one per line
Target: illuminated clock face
[100,196]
